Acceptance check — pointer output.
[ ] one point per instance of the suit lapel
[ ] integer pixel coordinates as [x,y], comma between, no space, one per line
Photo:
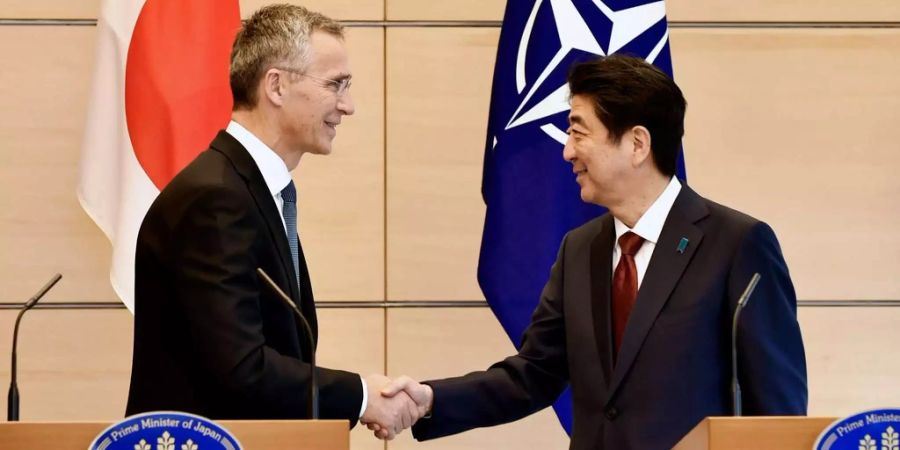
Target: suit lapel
[244,164]
[601,280]
[663,273]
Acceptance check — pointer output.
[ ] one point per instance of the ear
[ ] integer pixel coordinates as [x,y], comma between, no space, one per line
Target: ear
[642,153]
[272,86]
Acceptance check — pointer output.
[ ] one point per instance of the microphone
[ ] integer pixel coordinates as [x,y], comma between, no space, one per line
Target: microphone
[12,405]
[735,385]
[313,407]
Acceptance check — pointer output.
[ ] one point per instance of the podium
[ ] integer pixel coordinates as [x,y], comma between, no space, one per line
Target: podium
[753,433]
[252,434]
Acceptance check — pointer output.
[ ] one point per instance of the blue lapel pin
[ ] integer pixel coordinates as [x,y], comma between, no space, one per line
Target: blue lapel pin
[682,245]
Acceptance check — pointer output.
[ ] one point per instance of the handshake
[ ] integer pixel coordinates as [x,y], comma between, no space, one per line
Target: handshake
[394,405]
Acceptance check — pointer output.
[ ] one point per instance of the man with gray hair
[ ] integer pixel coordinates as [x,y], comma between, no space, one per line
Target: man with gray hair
[210,337]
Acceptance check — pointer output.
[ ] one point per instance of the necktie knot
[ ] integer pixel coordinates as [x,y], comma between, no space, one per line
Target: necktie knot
[289,193]
[630,243]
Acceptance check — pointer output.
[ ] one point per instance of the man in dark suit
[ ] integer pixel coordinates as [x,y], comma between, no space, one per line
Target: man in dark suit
[637,312]
[210,336]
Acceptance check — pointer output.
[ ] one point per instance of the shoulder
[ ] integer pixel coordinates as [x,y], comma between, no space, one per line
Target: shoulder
[730,221]
[745,234]
[208,184]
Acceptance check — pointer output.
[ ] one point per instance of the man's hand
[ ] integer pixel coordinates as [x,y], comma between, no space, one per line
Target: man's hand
[419,393]
[389,415]
[405,387]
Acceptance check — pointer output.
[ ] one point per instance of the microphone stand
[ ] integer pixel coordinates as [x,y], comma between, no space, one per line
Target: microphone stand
[313,406]
[12,404]
[735,385]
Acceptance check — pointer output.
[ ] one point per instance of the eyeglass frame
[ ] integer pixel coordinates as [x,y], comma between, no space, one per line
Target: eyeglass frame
[340,87]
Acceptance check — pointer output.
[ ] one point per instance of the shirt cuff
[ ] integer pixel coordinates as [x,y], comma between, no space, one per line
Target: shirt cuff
[365,400]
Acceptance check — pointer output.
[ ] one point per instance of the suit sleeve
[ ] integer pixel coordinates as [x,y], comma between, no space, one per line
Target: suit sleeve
[771,361]
[515,387]
[220,295]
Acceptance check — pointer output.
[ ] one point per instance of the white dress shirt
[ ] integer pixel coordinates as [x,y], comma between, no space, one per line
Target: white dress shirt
[649,226]
[272,167]
[277,177]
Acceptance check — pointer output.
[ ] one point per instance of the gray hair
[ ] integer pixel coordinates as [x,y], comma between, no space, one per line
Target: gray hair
[272,35]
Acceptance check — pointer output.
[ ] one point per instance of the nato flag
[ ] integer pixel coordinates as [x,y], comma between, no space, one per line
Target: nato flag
[530,192]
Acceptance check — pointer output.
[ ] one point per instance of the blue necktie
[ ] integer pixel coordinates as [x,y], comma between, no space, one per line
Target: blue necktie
[289,195]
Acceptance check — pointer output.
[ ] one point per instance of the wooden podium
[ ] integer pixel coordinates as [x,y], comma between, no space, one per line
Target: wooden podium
[252,434]
[753,433]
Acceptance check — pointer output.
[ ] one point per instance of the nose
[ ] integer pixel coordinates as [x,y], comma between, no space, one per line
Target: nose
[345,104]
[569,151]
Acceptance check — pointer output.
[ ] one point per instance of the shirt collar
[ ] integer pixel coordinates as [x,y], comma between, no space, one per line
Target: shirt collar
[272,167]
[650,225]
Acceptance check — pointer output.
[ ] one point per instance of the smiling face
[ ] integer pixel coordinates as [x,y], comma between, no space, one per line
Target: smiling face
[313,107]
[600,164]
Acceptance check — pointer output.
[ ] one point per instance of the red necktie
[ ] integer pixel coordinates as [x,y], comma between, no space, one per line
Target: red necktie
[625,286]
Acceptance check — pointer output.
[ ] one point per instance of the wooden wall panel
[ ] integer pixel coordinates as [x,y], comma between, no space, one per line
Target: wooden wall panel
[678,10]
[851,358]
[43,229]
[353,340]
[338,9]
[89,9]
[73,364]
[437,343]
[437,115]
[445,10]
[49,9]
[783,10]
[797,127]
[350,339]
[341,196]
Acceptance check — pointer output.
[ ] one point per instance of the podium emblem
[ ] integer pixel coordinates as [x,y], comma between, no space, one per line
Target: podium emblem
[165,430]
[877,429]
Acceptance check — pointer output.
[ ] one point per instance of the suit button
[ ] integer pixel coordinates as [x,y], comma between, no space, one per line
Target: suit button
[612,413]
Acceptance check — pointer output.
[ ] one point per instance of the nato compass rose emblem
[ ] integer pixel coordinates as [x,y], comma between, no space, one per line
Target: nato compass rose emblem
[558,33]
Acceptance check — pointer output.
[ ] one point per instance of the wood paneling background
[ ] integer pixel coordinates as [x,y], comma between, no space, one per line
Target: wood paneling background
[788,120]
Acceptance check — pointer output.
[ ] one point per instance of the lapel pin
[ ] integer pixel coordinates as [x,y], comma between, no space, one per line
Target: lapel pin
[682,244]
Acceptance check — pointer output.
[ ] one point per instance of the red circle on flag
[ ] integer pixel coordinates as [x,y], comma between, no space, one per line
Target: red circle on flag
[177,93]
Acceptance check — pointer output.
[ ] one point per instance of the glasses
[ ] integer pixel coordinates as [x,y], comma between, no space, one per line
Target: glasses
[339,87]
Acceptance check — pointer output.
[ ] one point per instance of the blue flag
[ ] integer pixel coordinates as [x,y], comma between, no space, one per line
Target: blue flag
[531,195]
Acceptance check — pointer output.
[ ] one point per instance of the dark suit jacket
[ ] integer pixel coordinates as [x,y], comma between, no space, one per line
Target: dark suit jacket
[674,368]
[210,337]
